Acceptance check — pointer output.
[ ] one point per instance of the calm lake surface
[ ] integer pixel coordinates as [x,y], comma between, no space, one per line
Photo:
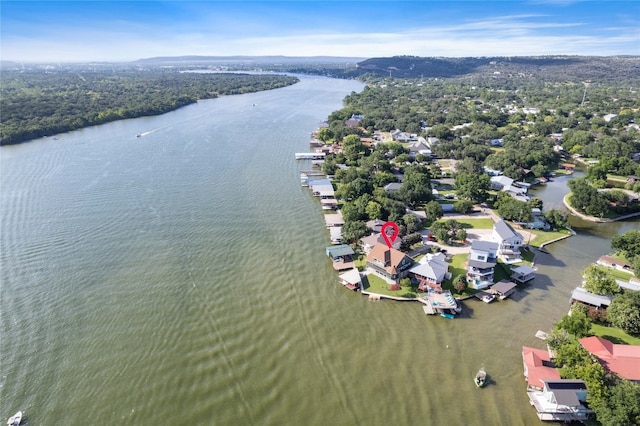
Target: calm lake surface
[180,278]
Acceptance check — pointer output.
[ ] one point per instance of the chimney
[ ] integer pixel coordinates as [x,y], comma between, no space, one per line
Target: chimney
[387,257]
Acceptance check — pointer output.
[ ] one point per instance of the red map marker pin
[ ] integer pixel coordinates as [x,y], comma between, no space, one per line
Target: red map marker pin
[389,239]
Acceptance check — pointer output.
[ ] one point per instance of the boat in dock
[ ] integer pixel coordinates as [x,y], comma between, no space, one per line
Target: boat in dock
[481,377]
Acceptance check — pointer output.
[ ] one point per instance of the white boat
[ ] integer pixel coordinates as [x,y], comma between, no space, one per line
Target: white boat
[480,378]
[488,298]
[15,419]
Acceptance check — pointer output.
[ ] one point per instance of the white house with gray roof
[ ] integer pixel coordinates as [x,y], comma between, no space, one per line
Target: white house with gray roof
[509,242]
[482,262]
[430,271]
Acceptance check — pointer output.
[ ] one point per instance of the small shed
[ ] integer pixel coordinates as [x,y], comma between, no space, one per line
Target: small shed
[340,251]
[503,289]
[351,279]
[523,273]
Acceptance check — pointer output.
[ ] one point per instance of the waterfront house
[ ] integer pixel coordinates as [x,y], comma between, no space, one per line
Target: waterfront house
[392,187]
[500,182]
[388,263]
[561,400]
[623,360]
[523,274]
[351,279]
[430,271]
[503,289]
[509,241]
[369,242]
[342,256]
[538,366]
[580,295]
[481,264]
[613,263]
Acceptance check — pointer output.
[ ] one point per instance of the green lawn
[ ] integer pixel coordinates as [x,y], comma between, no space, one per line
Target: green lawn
[457,267]
[375,284]
[615,274]
[474,223]
[615,335]
[545,236]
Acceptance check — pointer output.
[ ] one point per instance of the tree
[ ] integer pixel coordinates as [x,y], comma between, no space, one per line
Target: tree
[556,219]
[324,134]
[460,283]
[472,187]
[416,186]
[576,324]
[353,148]
[461,234]
[447,230]
[571,353]
[624,312]
[627,244]
[621,407]
[463,206]
[434,211]
[411,222]
[597,281]
[353,231]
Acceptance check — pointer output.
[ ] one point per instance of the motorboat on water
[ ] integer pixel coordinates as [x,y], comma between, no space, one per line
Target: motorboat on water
[480,378]
[15,419]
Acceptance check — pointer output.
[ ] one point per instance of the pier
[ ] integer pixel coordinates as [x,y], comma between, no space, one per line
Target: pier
[310,155]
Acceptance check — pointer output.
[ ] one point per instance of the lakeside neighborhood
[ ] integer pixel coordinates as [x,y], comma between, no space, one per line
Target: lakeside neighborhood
[492,259]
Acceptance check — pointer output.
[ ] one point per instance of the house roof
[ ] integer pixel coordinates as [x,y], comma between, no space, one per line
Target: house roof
[339,251]
[535,360]
[503,286]
[434,269]
[502,180]
[582,295]
[504,231]
[335,233]
[613,261]
[377,238]
[484,245]
[523,270]
[480,264]
[334,219]
[377,256]
[565,390]
[624,360]
[393,186]
[352,276]
[375,224]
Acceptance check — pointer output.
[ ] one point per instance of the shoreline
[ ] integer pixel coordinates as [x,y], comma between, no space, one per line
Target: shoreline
[594,219]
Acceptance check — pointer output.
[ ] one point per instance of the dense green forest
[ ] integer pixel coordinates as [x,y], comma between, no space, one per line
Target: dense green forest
[39,103]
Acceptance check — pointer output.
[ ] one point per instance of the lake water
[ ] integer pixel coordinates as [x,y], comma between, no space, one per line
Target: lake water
[180,278]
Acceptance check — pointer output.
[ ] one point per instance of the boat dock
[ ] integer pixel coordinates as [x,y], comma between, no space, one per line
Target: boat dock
[310,155]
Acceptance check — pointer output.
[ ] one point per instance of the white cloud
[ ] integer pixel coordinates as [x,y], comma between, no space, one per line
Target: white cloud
[514,35]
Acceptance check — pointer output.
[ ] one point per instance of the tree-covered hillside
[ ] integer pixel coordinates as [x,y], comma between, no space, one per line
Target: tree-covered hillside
[540,68]
[38,103]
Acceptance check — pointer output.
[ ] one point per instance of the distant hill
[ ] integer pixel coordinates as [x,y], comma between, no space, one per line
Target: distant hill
[546,68]
[247,60]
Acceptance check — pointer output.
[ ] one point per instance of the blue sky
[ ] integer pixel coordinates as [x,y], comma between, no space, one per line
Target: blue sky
[82,31]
